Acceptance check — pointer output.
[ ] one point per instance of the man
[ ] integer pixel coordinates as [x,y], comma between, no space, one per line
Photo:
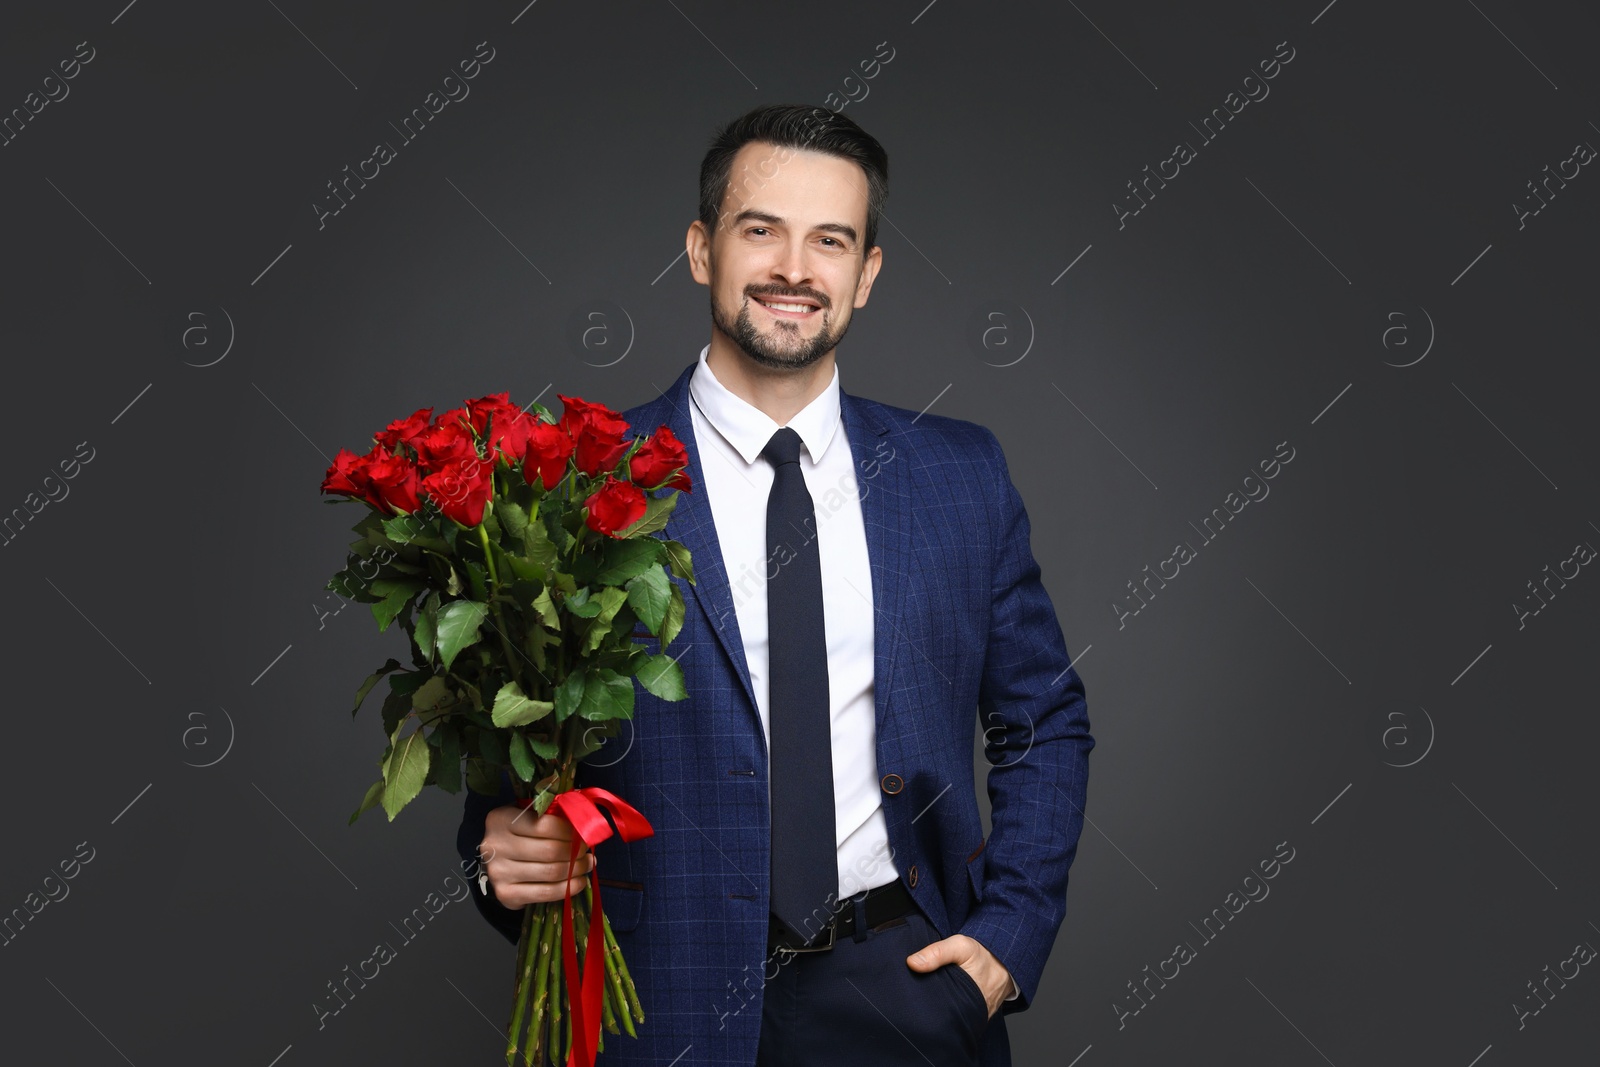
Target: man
[818,889]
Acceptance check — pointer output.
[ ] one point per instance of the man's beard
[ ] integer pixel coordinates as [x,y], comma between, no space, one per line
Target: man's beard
[771,352]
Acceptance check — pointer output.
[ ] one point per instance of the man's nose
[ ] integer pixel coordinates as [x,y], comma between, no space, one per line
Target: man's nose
[793,265]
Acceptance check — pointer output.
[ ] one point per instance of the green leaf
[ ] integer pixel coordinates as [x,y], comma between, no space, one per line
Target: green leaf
[372,680]
[581,605]
[569,694]
[524,569]
[594,738]
[536,543]
[649,594]
[435,695]
[606,695]
[626,559]
[513,520]
[395,593]
[521,758]
[374,794]
[673,620]
[407,682]
[662,676]
[611,601]
[483,778]
[547,609]
[491,747]
[371,520]
[448,776]
[543,747]
[477,578]
[551,510]
[427,629]
[679,559]
[459,623]
[514,708]
[351,586]
[399,528]
[404,772]
[396,706]
[656,512]
[412,530]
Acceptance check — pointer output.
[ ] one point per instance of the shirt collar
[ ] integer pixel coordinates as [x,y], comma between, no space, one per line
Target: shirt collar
[748,429]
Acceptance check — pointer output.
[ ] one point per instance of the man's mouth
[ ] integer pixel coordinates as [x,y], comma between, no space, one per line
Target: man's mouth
[797,308]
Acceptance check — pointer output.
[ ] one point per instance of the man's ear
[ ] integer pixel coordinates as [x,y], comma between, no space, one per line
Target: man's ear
[869,272]
[698,244]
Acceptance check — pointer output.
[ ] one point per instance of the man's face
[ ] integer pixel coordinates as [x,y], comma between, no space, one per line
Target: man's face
[785,265]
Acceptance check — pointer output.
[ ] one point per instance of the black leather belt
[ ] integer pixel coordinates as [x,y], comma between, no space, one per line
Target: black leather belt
[881,904]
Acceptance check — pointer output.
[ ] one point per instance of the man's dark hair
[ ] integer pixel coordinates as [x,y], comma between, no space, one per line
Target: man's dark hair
[793,126]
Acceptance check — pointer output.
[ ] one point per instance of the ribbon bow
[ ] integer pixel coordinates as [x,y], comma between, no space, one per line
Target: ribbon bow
[581,809]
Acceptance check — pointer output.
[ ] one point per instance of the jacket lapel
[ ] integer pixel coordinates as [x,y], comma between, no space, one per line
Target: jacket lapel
[883,485]
[693,524]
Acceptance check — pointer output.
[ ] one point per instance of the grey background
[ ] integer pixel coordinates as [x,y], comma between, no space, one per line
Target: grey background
[170,608]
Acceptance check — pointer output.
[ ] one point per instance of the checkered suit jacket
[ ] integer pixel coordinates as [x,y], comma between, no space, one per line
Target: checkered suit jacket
[964,631]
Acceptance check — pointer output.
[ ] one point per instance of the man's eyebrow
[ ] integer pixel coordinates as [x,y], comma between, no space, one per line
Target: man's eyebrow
[752,215]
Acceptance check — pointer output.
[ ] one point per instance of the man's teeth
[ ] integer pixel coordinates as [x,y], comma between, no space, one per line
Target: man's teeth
[802,308]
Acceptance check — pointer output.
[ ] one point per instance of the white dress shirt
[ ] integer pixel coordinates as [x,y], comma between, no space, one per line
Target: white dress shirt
[730,434]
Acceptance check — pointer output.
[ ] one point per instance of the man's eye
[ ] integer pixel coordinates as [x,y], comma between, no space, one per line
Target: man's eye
[757,229]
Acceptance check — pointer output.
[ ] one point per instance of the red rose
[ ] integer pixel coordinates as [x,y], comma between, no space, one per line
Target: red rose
[508,428]
[447,442]
[657,459]
[600,434]
[462,489]
[348,475]
[547,453]
[575,411]
[401,431]
[356,474]
[395,481]
[614,506]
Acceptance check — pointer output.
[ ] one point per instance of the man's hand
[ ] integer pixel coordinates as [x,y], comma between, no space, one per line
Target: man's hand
[527,857]
[965,952]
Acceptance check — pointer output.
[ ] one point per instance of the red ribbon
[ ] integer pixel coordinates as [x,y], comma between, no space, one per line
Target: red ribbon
[581,808]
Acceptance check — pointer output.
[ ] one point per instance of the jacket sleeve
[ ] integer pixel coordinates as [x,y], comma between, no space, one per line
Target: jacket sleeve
[507,920]
[1039,756]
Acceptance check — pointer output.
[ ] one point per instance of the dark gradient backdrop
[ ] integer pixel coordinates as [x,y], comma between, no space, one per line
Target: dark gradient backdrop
[1380,265]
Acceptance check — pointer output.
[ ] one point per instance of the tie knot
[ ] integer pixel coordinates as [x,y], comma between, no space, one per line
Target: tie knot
[783,448]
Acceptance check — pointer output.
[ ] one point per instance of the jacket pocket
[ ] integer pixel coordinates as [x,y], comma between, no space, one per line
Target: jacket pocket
[621,891]
[975,870]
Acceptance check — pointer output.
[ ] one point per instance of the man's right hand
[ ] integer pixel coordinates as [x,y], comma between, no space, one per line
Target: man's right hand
[527,857]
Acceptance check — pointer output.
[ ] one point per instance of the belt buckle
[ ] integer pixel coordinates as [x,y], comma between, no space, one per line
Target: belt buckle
[790,951]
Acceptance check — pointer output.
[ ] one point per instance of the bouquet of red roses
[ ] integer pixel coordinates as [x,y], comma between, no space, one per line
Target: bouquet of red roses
[518,552]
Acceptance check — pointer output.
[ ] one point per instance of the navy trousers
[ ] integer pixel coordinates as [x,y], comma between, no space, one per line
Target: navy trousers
[859,1004]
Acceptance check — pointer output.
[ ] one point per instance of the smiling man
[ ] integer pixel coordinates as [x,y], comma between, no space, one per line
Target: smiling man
[819,889]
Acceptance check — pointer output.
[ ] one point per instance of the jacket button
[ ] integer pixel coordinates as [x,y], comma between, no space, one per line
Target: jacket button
[892,784]
[912,875]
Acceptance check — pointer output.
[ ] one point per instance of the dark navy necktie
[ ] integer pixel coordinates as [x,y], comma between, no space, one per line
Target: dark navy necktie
[805,872]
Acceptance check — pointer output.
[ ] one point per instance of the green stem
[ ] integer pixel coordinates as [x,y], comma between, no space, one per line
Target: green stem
[614,972]
[540,978]
[614,954]
[525,945]
[556,985]
[499,619]
[488,556]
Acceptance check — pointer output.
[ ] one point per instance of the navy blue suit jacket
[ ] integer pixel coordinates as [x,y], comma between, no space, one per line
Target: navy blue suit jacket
[964,633]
